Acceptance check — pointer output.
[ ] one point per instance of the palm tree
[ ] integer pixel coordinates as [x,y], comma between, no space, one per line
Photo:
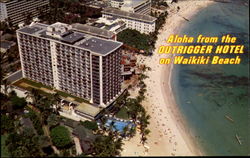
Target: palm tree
[144,136]
[56,102]
[33,95]
[125,131]
[107,146]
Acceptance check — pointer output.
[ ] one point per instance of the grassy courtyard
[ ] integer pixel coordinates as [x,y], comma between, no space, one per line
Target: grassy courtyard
[122,113]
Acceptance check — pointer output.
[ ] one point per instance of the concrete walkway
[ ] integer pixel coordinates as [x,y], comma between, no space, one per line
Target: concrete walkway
[78,146]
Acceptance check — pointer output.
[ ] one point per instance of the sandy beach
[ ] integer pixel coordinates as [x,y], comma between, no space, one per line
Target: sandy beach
[169,133]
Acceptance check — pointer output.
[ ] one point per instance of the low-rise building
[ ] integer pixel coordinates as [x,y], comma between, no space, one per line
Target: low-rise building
[6,45]
[133,6]
[86,138]
[114,25]
[116,3]
[142,23]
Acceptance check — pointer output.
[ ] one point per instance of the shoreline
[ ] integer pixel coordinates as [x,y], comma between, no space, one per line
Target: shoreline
[169,136]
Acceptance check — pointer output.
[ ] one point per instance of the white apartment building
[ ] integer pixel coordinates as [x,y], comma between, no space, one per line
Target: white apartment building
[18,10]
[116,3]
[142,23]
[133,6]
[114,25]
[80,64]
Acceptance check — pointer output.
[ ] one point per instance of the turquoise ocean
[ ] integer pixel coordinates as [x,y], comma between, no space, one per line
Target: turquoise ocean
[206,94]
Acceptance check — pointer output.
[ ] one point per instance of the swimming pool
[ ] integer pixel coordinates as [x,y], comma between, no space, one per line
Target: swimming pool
[119,125]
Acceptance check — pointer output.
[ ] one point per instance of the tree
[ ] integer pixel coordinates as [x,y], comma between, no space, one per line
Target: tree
[61,137]
[36,121]
[33,95]
[7,124]
[107,146]
[24,145]
[18,102]
[53,120]
[6,86]
[90,125]
[56,102]
[134,39]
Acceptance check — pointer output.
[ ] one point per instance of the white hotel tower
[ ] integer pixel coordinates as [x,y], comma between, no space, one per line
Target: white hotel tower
[79,64]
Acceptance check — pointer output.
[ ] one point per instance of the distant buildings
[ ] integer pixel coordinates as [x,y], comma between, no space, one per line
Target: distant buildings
[82,65]
[16,11]
[116,3]
[133,6]
[6,45]
[142,23]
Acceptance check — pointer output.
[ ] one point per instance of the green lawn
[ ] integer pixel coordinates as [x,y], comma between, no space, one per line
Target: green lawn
[122,113]
[4,151]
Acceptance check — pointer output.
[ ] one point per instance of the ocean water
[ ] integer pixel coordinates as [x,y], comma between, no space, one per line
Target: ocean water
[206,94]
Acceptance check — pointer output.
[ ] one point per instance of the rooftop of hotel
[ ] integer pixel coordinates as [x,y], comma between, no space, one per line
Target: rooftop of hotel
[66,34]
[130,15]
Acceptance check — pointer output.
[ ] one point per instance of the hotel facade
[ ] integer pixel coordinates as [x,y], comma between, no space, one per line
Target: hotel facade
[142,23]
[18,10]
[79,64]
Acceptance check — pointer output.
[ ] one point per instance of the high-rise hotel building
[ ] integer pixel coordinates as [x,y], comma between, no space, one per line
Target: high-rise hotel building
[18,10]
[79,64]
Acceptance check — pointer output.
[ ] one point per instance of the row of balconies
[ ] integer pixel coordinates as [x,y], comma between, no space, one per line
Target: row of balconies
[73,62]
[39,79]
[36,51]
[33,39]
[74,86]
[111,88]
[39,73]
[84,71]
[72,71]
[110,83]
[33,42]
[80,90]
[76,92]
[66,53]
[37,59]
[41,67]
[81,80]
